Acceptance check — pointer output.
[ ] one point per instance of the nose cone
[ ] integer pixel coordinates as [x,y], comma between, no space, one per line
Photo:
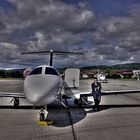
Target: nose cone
[41,90]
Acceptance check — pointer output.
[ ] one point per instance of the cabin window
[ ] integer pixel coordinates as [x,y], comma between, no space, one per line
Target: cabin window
[51,71]
[36,71]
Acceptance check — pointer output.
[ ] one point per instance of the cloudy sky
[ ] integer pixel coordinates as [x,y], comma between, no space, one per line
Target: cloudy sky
[107,31]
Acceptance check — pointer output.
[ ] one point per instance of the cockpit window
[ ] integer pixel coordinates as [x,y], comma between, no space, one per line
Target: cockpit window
[51,71]
[36,71]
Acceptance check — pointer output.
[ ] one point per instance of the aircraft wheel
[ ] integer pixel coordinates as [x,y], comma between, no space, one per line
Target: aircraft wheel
[80,103]
[76,101]
[16,102]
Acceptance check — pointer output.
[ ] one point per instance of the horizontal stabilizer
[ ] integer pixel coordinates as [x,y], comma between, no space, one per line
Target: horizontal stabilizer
[54,52]
[51,53]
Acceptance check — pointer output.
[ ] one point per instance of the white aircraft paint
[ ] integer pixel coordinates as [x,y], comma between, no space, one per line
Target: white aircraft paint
[42,89]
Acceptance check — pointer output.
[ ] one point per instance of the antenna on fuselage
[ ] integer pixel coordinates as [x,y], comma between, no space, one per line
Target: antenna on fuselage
[52,52]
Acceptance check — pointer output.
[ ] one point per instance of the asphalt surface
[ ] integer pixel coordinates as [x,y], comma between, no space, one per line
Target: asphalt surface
[119,118]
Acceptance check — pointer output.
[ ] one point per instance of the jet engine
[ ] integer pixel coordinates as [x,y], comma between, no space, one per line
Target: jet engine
[27,72]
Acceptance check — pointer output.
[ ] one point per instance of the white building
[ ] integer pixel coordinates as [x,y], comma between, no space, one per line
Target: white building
[136,73]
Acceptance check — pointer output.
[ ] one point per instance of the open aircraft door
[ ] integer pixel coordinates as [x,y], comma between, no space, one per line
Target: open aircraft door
[72,76]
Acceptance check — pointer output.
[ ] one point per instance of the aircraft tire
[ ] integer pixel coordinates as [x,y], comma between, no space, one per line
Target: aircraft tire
[80,104]
[16,102]
[76,101]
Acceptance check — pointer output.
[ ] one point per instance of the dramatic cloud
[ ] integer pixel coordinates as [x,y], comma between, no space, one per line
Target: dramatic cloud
[8,51]
[118,37]
[45,24]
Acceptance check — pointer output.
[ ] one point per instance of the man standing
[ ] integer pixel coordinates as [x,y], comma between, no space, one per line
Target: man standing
[96,91]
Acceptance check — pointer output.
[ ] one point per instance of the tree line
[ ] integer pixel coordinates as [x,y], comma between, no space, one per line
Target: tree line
[11,73]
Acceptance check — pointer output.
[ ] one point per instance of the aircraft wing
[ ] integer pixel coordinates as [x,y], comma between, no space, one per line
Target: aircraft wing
[107,92]
[116,92]
[11,94]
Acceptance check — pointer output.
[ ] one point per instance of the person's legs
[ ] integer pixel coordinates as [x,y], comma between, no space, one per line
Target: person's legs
[98,107]
[96,104]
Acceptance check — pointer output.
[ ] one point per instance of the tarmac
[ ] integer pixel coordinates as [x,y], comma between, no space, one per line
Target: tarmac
[119,118]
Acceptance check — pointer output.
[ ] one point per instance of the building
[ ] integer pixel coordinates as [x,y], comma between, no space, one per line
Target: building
[136,73]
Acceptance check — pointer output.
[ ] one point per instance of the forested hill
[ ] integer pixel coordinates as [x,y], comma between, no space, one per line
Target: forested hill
[130,66]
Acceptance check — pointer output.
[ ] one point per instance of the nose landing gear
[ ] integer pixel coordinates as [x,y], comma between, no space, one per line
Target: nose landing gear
[43,117]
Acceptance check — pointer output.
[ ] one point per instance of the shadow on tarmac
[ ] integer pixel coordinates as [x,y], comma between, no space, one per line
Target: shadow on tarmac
[63,117]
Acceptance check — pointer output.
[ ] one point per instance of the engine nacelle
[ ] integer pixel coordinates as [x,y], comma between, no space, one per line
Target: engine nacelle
[27,72]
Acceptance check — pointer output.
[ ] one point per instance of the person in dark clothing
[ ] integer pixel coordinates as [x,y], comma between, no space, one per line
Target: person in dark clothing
[96,91]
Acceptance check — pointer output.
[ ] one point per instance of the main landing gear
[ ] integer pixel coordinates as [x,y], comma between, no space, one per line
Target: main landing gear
[43,114]
[83,100]
[80,102]
[15,100]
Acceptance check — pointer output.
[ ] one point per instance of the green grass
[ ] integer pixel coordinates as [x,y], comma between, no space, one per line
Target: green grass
[9,78]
